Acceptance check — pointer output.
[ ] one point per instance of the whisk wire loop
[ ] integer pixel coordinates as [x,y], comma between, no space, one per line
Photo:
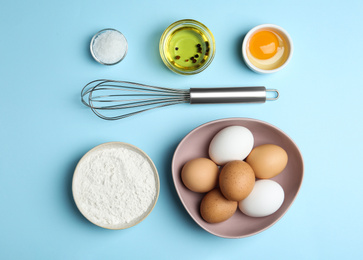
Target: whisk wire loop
[128,96]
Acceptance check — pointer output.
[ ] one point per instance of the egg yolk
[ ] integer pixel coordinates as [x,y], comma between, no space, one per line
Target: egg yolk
[263,45]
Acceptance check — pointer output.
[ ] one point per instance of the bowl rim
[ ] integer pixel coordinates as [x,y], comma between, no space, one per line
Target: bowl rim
[259,27]
[132,147]
[176,25]
[99,33]
[242,119]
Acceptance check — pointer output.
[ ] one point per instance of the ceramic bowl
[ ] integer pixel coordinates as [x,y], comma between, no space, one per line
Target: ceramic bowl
[276,63]
[80,175]
[196,143]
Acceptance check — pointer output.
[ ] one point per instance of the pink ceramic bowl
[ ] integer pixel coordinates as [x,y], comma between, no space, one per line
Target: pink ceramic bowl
[196,144]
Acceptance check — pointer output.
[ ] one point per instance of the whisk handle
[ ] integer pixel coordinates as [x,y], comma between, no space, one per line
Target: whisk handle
[231,95]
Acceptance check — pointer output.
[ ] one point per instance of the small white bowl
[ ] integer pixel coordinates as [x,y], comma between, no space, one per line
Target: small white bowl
[282,33]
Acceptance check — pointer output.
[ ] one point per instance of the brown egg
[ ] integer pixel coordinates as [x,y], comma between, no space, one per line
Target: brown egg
[267,160]
[236,180]
[200,175]
[216,208]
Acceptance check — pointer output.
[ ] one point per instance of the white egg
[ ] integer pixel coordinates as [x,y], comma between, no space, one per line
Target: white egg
[265,199]
[231,143]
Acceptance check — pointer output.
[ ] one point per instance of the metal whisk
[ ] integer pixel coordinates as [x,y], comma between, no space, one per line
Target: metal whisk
[134,98]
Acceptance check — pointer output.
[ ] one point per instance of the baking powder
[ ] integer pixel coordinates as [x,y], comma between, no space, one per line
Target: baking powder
[115,186]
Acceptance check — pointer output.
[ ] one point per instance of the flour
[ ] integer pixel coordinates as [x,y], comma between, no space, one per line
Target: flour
[115,186]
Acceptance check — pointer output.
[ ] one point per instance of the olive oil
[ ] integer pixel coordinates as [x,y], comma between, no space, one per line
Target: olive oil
[187,48]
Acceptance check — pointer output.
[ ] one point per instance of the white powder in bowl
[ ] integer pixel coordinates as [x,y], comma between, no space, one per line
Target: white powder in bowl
[115,185]
[109,46]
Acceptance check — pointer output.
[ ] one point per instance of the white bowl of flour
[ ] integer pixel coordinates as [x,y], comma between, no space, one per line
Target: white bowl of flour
[115,185]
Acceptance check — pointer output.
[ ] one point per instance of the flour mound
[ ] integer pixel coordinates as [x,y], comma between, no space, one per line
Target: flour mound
[115,186]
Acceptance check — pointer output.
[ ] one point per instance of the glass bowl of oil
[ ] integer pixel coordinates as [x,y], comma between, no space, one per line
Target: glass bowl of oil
[267,48]
[187,47]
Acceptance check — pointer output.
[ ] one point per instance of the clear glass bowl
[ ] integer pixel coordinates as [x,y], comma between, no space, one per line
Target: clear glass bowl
[187,47]
[108,45]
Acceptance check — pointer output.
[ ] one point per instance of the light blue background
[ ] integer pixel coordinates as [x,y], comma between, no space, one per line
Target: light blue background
[45,130]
